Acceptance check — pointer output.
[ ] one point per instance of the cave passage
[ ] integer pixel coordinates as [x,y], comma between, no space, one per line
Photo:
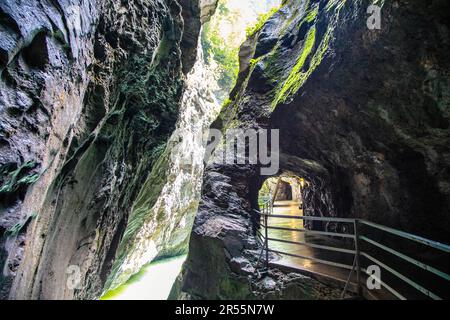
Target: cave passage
[283,188]
[285,194]
[301,245]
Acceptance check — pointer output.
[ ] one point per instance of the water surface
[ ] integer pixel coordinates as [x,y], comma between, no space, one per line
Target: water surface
[153,282]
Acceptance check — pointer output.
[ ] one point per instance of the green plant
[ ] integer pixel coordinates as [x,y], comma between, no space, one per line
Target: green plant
[253,62]
[262,19]
[226,103]
[216,49]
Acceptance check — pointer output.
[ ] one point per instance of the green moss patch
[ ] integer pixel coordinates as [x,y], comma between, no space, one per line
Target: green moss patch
[13,180]
[18,227]
[297,77]
[262,19]
[313,51]
[311,15]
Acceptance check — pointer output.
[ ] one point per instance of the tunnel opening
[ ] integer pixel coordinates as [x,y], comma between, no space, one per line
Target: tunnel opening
[283,188]
[284,192]
[285,202]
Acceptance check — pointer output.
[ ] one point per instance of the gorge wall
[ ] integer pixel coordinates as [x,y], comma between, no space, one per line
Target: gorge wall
[363,117]
[89,95]
[162,216]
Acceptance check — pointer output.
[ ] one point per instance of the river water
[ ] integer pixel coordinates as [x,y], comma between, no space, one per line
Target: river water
[153,282]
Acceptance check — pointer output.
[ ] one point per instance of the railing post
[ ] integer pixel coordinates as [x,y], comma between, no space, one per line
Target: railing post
[266,238]
[357,258]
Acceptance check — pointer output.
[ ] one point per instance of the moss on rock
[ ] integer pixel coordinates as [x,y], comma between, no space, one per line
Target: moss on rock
[13,180]
[297,76]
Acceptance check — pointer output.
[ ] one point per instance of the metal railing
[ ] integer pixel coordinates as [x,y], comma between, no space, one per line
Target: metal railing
[357,238]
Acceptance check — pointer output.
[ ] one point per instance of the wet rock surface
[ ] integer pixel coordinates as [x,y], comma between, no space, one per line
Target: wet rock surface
[363,116]
[279,285]
[161,219]
[89,96]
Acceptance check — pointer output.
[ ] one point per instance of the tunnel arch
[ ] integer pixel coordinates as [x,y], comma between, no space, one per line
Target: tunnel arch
[320,196]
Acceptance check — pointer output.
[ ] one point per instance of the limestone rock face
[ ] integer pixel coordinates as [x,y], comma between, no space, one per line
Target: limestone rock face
[363,117]
[195,13]
[161,219]
[89,96]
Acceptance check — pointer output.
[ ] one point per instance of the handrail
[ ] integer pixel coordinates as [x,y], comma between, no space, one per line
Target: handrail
[402,277]
[327,219]
[348,278]
[406,258]
[322,233]
[317,246]
[259,233]
[406,235]
[331,263]
[389,288]
[356,236]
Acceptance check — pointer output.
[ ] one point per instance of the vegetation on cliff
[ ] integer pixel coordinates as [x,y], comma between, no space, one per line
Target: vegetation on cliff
[218,51]
[262,19]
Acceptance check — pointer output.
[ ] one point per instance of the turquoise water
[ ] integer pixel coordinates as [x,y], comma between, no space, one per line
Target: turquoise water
[153,282]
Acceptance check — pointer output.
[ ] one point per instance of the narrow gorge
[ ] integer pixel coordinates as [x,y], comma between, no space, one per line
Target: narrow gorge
[114,121]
